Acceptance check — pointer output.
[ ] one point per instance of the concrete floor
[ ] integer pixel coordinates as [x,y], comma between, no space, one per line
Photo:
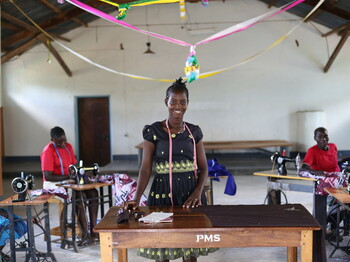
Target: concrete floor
[250,190]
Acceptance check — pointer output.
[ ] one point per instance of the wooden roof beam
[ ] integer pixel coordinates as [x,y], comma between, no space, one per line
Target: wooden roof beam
[41,37]
[59,11]
[331,8]
[337,50]
[336,30]
[10,26]
[55,53]
[19,50]
[47,24]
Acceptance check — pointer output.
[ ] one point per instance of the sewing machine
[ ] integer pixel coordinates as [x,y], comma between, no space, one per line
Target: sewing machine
[79,173]
[281,160]
[21,185]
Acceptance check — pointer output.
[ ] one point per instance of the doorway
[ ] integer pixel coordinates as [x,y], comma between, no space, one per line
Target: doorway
[94,130]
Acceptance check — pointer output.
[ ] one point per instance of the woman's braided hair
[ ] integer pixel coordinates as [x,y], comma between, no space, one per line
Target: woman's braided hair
[177,87]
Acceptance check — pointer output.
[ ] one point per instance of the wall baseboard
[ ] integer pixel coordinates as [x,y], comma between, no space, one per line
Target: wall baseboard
[242,155]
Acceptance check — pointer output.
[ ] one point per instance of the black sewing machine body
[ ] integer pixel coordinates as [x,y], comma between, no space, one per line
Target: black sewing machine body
[81,174]
[281,161]
[21,185]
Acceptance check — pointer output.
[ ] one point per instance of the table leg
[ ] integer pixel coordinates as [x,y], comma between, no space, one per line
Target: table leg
[292,253]
[211,191]
[122,255]
[102,205]
[47,228]
[306,246]
[12,233]
[74,201]
[110,196]
[66,243]
[106,247]
[273,195]
[31,242]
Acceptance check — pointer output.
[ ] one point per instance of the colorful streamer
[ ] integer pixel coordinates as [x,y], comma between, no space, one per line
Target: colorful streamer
[112,19]
[182,9]
[123,8]
[200,76]
[226,32]
[212,73]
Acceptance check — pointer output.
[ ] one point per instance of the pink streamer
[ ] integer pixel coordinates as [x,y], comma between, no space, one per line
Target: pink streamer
[169,39]
[113,19]
[250,25]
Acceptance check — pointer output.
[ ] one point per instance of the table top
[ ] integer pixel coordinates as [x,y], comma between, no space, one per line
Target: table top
[39,200]
[341,194]
[221,145]
[291,174]
[218,217]
[85,186]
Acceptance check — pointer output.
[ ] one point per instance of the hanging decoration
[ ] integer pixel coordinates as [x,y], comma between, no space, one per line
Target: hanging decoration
[194,61]
[192,66]
[182,9]
[123,8]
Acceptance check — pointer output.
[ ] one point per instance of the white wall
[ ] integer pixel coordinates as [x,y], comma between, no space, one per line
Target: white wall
[258,100]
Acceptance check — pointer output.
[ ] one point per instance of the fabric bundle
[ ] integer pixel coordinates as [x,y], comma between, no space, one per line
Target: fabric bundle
[216,170]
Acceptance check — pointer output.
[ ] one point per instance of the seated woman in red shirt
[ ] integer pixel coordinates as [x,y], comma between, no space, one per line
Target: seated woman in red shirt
[56,157]
[322,157]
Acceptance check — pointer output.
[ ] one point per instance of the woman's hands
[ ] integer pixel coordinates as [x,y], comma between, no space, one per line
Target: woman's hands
[131,205]
[194,200]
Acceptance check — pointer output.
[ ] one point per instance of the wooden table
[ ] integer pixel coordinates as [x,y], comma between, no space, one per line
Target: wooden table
[193,229]
[343,198]
[66,243]
[274,196]
[234,145]
[32,253]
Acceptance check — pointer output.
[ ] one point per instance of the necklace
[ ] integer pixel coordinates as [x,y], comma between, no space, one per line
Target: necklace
[182,128]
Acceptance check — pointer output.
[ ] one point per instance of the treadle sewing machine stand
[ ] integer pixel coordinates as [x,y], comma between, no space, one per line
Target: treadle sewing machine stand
[32,253]
[343,198]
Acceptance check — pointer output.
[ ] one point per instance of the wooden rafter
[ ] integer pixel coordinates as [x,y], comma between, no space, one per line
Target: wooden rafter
[19,50]
[55,21]
[336,51]
[272,3]
[336,30]
[330,3]
[10,26]
[39,36]
[55,53]
[59,11]
[331,8]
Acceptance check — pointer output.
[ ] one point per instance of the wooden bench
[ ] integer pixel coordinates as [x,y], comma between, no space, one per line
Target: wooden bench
[234,145]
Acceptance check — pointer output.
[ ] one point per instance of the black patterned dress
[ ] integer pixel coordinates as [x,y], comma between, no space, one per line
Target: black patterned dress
[184,181]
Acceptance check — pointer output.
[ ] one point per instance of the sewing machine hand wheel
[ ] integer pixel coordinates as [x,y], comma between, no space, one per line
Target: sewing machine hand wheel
[19,185]
[72,171]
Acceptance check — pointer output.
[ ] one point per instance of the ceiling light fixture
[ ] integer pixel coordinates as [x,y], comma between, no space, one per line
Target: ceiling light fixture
[149,51]
[148,44]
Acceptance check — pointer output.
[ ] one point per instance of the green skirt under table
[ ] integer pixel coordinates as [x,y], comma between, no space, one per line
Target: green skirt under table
[173,253]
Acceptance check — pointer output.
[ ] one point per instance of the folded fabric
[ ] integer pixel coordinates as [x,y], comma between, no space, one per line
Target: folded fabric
[216,170]
[60,192]
[124,189]
[331,179]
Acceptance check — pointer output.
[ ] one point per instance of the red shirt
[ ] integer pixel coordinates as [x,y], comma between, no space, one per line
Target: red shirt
[321,160]
[50,160]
